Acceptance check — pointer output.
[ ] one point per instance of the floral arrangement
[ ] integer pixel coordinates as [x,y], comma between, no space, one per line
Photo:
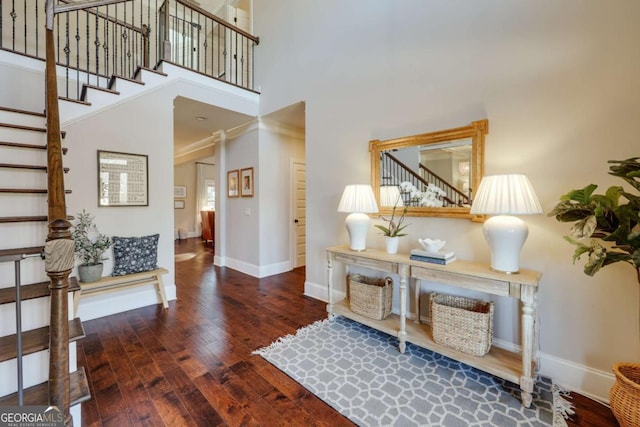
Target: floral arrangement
[395,228]
[90,245]
[431,197]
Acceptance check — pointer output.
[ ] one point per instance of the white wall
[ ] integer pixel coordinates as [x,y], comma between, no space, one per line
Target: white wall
[241,248]
[142,124]
[278,146]
[558,82]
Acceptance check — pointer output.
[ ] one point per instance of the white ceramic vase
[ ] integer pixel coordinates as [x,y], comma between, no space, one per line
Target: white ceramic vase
[392,244]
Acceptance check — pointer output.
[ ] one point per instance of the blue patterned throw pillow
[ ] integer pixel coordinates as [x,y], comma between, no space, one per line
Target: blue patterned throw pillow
[135,254]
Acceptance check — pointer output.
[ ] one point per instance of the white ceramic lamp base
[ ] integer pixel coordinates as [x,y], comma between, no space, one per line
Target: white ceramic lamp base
[505,235]
[357,227]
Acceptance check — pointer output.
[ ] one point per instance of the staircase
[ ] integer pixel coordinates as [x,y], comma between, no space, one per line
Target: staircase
[23,226]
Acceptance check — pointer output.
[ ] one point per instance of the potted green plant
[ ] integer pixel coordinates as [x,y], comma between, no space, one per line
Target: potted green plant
[90,246]
[607,229]
[393,231]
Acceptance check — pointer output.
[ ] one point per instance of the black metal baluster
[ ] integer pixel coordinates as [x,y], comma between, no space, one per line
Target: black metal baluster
[205,45]
[96,43]
[13,19]
[1,32]
[87,41]
[78,54]
[105,45]
[67,51]
[37,26]
[25,26]
[235,59]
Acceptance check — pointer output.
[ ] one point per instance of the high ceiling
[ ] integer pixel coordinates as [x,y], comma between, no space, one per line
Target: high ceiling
[194,122]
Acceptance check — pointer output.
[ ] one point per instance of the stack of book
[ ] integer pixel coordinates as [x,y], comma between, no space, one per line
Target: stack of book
[439,257]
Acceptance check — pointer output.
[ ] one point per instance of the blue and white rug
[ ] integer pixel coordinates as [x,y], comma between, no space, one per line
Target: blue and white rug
[360,373]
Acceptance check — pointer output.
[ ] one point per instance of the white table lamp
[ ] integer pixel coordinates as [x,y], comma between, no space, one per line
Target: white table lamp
[358,200]
[389,195]
[505,196]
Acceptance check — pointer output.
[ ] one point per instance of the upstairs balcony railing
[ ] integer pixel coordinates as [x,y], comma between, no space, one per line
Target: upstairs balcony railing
[115,39]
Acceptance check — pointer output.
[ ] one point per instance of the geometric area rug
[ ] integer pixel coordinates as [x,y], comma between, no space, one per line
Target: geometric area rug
[360,372]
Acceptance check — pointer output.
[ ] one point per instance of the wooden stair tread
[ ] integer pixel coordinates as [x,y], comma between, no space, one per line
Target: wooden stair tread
[29,128]
[114,77]
[38,394]
[36,340]
[77,101]
[30,167]
[28,191]
[151,70]
[33,290]
[19,111]
[29,146]
[38,218]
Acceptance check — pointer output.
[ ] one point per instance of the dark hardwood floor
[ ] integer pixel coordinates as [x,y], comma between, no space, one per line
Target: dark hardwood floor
[191,365]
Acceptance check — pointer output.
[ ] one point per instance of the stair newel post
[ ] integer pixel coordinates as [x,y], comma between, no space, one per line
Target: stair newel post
[59,246]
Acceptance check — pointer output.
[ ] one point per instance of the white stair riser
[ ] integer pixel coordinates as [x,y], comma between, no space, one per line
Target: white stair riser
[127,88]
[31,271]
[21,119]
[18,204]
[23,136]
[35,367]
[100,98]
[23,235]
[22,156]
[25,177]
[35,314]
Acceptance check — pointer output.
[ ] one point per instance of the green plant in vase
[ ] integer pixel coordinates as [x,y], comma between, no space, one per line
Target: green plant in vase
[90,246]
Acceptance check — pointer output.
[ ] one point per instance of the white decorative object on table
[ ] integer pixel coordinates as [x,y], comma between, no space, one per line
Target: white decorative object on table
[505,196]
[432,245]
[358,200]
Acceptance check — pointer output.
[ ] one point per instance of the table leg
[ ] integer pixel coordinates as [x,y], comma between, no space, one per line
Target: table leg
[330,286]
[527,296]
[402,334]
[417,283]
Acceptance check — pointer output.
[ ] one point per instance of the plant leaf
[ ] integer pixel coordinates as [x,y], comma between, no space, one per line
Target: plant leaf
[584,228]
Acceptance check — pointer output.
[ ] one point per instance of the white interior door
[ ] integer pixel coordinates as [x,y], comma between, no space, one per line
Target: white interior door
[299,241]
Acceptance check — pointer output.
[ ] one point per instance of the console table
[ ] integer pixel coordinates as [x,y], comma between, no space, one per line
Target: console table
[518,368]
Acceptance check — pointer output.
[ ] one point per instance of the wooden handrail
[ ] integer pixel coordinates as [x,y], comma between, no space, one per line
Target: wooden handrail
[453,189]
[219,20]
[111,19]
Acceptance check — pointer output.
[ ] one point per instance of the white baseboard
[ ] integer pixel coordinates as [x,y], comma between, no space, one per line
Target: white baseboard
[582,379]
[258,271]
[96,306]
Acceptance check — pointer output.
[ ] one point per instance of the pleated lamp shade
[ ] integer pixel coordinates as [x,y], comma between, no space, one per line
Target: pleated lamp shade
[505,196]
[510,194]
[390,195]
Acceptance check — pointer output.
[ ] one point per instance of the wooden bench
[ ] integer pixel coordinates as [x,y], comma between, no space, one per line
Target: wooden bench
[113,283]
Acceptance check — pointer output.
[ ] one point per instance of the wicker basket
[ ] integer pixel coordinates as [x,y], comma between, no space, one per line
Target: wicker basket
[624,396]
[370,297]
[463,324]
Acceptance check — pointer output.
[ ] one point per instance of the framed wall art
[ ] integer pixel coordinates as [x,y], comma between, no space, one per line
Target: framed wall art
[232,183]
[246,180]
[123,179]
[179,192]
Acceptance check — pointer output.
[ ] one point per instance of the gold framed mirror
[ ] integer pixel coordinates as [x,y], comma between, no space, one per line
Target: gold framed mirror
[433,174]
